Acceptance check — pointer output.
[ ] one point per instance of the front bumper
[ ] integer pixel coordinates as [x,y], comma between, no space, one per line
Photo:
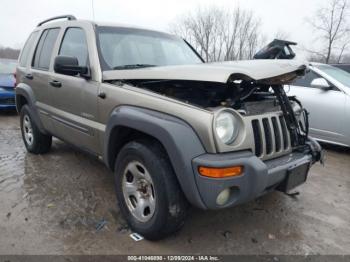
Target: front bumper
[7,100]
[258,176]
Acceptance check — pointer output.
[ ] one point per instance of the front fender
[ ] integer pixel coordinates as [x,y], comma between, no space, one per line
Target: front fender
[177,137]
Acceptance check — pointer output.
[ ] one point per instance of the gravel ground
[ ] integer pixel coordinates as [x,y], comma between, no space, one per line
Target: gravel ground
[53,203]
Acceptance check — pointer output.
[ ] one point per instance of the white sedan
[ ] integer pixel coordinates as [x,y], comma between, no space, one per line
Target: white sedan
[325,93]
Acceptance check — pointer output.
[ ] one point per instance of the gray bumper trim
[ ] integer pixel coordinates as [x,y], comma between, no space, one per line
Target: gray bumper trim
[258,176]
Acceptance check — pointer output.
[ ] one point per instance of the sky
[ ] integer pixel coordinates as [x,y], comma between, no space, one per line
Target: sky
[19,17]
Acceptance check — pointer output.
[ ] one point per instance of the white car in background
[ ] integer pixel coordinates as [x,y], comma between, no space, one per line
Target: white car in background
[325,93]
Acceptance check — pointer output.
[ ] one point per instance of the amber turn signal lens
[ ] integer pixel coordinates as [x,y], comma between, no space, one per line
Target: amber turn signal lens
[220,172]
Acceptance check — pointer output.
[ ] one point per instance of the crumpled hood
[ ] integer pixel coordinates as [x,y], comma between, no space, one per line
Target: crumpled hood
[212,72]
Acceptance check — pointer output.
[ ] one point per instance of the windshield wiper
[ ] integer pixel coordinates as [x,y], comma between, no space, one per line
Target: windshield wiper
[133,66]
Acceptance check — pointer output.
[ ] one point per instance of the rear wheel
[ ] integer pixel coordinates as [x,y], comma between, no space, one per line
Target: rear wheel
[35,141]
[147,190]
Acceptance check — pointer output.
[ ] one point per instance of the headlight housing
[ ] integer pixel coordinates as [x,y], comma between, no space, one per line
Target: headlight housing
[226,127]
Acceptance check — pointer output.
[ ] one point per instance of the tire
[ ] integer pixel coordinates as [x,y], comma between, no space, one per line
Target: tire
[166,213]
[35,141]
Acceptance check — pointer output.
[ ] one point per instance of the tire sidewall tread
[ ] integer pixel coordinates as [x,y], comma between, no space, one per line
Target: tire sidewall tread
[171,205]
[42,143]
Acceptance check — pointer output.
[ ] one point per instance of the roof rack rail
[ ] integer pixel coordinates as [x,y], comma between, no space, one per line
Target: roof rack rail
[69,17]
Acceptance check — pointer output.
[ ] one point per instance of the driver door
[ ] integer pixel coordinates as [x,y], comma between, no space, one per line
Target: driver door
[75,97]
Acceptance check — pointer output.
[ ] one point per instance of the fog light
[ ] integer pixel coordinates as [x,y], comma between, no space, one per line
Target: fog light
[223,197]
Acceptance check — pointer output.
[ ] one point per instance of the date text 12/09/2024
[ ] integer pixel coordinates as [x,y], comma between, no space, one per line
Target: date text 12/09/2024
[173,258]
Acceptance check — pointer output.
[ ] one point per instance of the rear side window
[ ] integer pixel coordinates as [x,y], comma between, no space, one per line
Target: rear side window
[26,49]
[74,44]
[44,49]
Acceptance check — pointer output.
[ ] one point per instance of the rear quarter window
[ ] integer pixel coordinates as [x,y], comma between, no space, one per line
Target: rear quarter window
[44,49]
[25,55]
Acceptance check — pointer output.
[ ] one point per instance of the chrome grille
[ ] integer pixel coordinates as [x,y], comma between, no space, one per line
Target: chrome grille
[271,136]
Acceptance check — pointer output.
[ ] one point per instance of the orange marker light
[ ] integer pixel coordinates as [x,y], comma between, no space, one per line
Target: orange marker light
[215,172]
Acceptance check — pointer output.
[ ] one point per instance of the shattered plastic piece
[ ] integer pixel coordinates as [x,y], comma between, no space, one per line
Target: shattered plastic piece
[136,237]
[101,224]
[294,194]
[227,233]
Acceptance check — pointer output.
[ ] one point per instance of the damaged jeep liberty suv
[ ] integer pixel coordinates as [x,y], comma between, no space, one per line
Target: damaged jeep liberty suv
[173,129]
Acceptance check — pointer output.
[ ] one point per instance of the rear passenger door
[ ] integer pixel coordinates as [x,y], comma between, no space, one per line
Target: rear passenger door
[38,75]
[75,97]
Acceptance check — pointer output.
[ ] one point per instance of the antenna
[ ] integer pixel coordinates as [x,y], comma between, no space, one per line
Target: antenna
[93,9]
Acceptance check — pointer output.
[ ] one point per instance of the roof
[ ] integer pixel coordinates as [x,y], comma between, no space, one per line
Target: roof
[54,22]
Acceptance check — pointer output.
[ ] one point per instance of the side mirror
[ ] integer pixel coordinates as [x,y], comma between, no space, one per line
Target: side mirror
[69,65]
[321,83]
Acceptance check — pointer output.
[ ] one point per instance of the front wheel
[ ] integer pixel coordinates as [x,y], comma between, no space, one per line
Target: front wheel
[35,141]
[148,192]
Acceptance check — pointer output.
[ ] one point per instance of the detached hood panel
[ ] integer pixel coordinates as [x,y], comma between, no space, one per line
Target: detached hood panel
[211,72]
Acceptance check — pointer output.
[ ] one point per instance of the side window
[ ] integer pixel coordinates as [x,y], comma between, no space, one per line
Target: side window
[306,80]
[26,49]
[74,44]
[44,49]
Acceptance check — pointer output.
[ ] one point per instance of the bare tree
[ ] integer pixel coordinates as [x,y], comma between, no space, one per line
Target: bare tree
[219,34]
[346,58]
[343,48]
[331,24]
[10,53]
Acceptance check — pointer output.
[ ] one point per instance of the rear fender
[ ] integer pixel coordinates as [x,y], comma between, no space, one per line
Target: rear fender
[26,91]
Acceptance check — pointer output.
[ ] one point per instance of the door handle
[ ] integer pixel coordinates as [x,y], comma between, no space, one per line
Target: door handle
[55,83]
[29,76]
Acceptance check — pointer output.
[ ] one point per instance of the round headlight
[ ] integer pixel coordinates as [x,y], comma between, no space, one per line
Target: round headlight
[226,127]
